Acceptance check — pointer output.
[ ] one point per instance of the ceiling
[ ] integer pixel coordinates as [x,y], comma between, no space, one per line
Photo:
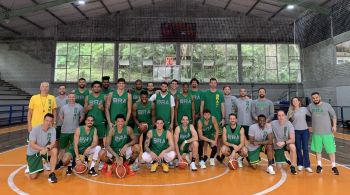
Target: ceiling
[72,11]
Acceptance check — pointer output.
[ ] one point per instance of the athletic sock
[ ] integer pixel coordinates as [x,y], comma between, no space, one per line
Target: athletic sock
[213,151]
[93,162]
[193,160]
[270,162]
[319,163]
[333,164]
[70,163]
[205,158]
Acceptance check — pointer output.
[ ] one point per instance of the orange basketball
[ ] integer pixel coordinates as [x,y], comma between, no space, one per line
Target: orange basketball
[80,169]
[182,165]
[143,127]
[233,164]
[120,171]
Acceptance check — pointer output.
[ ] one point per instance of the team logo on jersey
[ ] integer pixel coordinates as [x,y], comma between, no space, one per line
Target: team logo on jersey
[119,100]
[157,140]
[84,139]
[185,135]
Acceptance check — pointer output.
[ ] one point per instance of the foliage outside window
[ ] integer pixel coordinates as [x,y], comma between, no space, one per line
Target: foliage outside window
[343,52]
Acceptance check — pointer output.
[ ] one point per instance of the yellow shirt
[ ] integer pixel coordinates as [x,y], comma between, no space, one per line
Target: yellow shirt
[41,106]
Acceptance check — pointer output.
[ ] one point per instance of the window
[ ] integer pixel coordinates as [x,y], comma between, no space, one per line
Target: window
[83,59]
[343,52]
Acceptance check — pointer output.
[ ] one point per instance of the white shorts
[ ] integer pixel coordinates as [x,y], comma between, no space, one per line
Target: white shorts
[128,153]
[169,156]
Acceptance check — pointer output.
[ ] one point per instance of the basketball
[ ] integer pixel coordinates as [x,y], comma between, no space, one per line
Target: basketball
[233,164]
[143,127]
[182,164]
[80,169]
[120,171]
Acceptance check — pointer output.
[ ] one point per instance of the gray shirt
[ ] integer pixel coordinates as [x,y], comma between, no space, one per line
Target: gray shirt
[229,106]
[299,118]
[244,109]
[258,134]
[321,115]
[264,107]
[71,117]
[41,138]
[281,132]
[60,103]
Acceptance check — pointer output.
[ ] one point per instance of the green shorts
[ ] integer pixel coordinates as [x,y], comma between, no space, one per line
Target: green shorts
[320,141]
[66,140]
[254,156]
[35,162]
[58,132]
[101,130]
[246,131]
[71,151]
[186,149]
[279,155]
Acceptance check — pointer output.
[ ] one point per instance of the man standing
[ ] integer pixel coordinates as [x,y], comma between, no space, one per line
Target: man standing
[164,106]
[105,86]
[322,114]
[150,89]
[61,100]
[263,106]
[135,93]
[174,91]
[81,92]
[243,108]
[41,145]
[196,94]
[184,105]
[229,103]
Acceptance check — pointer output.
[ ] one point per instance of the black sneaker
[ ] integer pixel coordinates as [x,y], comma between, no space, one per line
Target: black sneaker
[220,159]
[52,178]
[92,172]
[288,162]
[59,165]
[319,169]
[292,170]
[335,171]
[69,170]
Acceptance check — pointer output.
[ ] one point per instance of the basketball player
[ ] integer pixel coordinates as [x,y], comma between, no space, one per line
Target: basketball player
[229,103]
[243,108]
[184,105]
[174,91]
[186,142]
[263,106]
[135,93]
[61,100]
[150,89]
[106,86]
[85,143]
[159,147]
[196,94]
[81,92]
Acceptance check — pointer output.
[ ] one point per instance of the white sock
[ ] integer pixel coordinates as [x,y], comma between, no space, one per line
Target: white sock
[70,163]
[333,164]
[93,162]
[319,163]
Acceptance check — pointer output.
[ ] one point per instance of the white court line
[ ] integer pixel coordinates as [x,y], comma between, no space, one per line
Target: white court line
[10,165]
[12,149]
[277,185]
[330,161]
[12,185]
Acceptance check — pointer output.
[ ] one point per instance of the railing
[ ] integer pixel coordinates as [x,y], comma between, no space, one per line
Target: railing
[13,114]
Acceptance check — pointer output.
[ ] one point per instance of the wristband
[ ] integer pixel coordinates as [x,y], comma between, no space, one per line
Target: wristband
[185,141]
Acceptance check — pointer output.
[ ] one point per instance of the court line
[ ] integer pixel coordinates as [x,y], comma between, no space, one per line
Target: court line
[10,165]
[154,185]
[12,149]
[277,185]
[12,185]
[330,161]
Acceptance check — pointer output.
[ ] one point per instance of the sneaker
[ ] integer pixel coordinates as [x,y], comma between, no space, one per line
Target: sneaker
[308,169]
[69,170]
[171,165]
[101,165]
[92,172]
[270,170]
[47,166]
[300,168]
[335,171]
[135,166]
[129,171]
[212,161]
[104,168]
[292,170]
[193,166]
[220,158]
[318,169]
[165,167]
[27,170]
[154,167]
[240,162]
[52,178]
[202,164]
[59,165]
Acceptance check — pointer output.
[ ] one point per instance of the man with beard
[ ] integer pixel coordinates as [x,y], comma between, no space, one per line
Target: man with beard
[61,100]
[243,108]
[322,114]
[135,93]
[184,105]
[263,106]
[105,86]
[81,92]
[150,89]
[229,102]
[196,94]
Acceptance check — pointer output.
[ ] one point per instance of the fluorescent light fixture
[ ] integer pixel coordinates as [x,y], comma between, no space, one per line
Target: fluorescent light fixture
[81,2]
[290,7]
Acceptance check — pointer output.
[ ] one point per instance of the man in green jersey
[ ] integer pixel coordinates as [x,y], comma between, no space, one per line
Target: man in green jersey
[208,132]
[186,142]
[81,92]
[159,147]
[118,149]
[174,88]
[196,94]
[233,139]
[184,105]
[85,144]
[106,85]
[94,106]
[150,89]
[118,102]
[135,92]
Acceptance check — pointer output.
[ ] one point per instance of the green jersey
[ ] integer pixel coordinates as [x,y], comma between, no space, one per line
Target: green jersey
[233,136]
[119,104]
[98,114]
[159,143]
[105,92]
[212,102]
[163,107]
[135,95]
[119,139]
[208,129]
[85,140]
[176,93]
[144,112]
[184,107]
[80,97]
[197,100]
[184,135]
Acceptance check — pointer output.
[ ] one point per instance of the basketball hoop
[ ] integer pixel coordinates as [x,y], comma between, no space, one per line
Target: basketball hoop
[166,78]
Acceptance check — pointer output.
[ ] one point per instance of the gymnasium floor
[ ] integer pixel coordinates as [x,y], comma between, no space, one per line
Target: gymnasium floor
[217,180]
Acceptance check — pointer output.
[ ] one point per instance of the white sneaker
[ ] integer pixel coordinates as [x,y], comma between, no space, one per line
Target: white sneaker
[202,164]
[100,165]
[270,170]
[193,166]
[27,170]
[300,168]
[240,162]
[212,162]
[47,166]
[308,169]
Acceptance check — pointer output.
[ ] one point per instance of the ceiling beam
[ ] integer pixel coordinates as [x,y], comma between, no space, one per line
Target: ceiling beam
[325,2]
[106,8]
[268,3]
[79,10]
[52,14]
[251,9]
[277,12]
[153,2]
[131,7]
[10,29]
[227,4]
